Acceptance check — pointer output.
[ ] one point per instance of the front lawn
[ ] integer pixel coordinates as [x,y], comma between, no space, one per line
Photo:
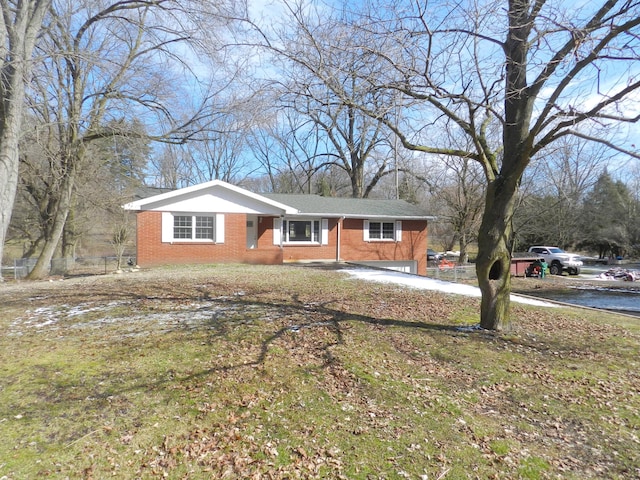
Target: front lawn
[277,372]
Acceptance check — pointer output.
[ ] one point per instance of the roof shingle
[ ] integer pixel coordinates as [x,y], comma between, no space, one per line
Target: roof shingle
[349,207]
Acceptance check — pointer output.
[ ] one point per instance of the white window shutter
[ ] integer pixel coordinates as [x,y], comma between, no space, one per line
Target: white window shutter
[167,227]
[365,230]
[398,230]
[219,228]
[324,234]
[277,234]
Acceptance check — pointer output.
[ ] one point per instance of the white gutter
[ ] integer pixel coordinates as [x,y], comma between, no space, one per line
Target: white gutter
[362,215]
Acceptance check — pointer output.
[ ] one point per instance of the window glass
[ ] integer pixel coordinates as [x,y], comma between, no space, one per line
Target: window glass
[299,231]
[388,230]
[182,226]
[204,227]
[375,230]
[193,227]
[382,230]
[302,231]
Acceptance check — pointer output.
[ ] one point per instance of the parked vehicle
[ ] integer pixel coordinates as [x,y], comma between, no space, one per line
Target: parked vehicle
[433,256]
[558,260]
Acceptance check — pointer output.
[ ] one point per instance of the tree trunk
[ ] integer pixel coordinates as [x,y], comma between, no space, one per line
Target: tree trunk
[9,137]
[61,211]
[70,235]
[357,179]
[493,265]
[15,68]
[10,122]
[464,257]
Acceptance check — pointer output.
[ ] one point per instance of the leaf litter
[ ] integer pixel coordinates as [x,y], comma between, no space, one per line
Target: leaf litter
[336,379]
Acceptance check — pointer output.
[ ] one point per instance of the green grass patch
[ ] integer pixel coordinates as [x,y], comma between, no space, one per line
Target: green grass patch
[295,372]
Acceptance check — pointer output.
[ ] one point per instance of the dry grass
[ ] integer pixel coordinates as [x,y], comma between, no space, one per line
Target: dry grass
[296,372]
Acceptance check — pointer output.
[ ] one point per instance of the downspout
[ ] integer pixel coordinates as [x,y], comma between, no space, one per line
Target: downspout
[339,234]
[282,259]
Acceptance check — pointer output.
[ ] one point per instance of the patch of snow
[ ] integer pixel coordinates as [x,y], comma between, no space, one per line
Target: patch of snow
[177,316]
[426,283]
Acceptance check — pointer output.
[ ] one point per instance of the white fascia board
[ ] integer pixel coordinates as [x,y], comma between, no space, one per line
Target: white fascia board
[215,195]
[392,217]
[144,202]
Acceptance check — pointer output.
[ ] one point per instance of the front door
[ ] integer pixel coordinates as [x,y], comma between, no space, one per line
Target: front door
[252,231]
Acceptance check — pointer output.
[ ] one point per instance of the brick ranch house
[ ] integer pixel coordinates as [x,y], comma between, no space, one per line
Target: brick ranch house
[218,222]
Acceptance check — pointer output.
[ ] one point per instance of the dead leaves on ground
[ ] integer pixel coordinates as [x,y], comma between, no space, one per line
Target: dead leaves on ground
[225,450]
[381,358]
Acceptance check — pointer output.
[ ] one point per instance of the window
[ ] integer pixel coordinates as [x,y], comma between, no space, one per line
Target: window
[193,227]
[204,227]
[383,231]
[307,231]
[182,226]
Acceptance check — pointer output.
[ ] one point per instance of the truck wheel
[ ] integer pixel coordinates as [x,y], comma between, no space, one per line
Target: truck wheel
[555,269]
[574,271]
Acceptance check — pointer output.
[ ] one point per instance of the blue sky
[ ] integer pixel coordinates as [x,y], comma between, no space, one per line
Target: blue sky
[585,91]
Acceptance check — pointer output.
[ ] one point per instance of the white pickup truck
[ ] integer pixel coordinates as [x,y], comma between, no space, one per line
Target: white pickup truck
[558,260]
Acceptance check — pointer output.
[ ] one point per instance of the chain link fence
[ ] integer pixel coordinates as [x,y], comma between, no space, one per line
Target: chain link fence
[455,273]
[69,266]
[106,264]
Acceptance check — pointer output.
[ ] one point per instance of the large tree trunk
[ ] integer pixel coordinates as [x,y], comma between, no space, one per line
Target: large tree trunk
[61,211]
[19,29]
[495,236]
[70,235]
[493,265]
[357,177]
[9,138]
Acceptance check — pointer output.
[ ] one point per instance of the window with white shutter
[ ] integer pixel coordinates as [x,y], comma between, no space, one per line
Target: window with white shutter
[382,230]
[186,227]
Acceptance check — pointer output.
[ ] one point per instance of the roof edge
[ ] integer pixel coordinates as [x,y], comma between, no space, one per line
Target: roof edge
[361,215]
[139,204]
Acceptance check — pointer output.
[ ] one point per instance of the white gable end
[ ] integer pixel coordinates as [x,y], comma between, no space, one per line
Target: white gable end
[209,202]
[215,196]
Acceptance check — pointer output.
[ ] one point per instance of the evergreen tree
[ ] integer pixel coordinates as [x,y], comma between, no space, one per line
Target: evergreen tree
[607,217]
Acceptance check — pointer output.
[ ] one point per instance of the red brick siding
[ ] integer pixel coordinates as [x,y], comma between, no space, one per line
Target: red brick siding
[151,250]
[413,245]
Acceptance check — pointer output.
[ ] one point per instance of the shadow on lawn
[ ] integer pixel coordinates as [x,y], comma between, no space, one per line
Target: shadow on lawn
[292,316]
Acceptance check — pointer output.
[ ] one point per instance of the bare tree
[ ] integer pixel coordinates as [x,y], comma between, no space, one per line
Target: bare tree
[120,239]
[540,70]
[169,168]
[317,57]
[29,219]
[219,153]
[455,184]
[112,174]
[291,149]
[20,24]
[102,65]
